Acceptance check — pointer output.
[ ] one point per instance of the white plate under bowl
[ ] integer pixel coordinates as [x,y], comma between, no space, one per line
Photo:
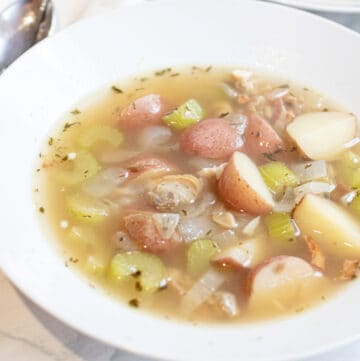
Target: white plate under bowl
[346,6]
[53,76]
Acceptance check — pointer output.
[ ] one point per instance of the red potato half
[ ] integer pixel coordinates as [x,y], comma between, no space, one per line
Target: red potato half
[242,187]
[211,138]
[262,142]
[142,112]
[283,283]
[323,135]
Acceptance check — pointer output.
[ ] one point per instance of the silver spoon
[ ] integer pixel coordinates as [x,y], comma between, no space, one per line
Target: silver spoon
[23,24]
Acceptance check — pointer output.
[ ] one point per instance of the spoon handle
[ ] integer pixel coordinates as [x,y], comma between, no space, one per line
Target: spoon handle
[45,23]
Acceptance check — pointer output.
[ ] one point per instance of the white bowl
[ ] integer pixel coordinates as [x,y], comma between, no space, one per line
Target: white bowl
[48,80]
[346,6]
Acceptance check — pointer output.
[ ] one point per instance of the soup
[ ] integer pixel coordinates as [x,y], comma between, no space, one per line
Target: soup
[206,194]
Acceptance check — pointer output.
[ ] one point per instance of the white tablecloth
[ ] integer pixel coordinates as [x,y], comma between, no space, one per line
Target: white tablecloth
[29,334]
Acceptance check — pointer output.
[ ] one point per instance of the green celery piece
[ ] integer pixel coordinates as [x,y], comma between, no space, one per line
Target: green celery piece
[185,115]
[278,176]
[146,267]
[86,209]
[279,227]
[76,171]
[199,255]
[349,169]
[100,134]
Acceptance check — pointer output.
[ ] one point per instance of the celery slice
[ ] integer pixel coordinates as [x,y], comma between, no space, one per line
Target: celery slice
[147,268]
[278,176]
[75,171]
[100,134]
[279,227]
[199,255]
[355,204]
[349,169]
[185,115]
[87,209]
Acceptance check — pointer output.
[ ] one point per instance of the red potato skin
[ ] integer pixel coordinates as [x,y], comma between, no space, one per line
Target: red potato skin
[231,189]
[254,271]
[262,142]
[252,274]
[146,162]
[229,262]
[211,138]
[143,231]
[340,190]
[142,112]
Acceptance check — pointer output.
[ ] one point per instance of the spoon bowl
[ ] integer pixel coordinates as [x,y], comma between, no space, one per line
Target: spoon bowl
[23,24]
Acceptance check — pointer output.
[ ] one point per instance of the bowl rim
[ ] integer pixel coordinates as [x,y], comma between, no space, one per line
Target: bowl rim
[15,278]
[325,7]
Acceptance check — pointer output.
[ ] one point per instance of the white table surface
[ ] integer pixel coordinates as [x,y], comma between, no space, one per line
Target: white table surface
[29,334]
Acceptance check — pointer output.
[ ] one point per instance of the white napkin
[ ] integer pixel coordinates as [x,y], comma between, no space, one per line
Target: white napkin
[69,11]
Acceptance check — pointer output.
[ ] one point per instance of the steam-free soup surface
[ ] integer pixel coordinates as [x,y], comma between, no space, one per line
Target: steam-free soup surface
[205,194]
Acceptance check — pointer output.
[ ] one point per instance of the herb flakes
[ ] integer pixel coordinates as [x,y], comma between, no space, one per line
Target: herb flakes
[269,156]
[75,112]
[138,286]
[134,302]
[136,274]
[69,125]
[162,72]
[223,115]
[117,90]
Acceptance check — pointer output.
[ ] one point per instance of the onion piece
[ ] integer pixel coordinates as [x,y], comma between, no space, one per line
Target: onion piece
[311,170]
[229,90]
[202,290]
[224,218]
[166,223]
[200,207]
[252,226]
[225,302]
[348,198]
[238,121]
[198,163]
[287,202]
[352,143]
[314,188]
[154,137]
[225,239]
[191,228]
[105,182]
[212,171]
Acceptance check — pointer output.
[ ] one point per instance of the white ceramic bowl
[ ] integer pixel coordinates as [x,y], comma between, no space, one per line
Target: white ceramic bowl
[48,80]
[346,6]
